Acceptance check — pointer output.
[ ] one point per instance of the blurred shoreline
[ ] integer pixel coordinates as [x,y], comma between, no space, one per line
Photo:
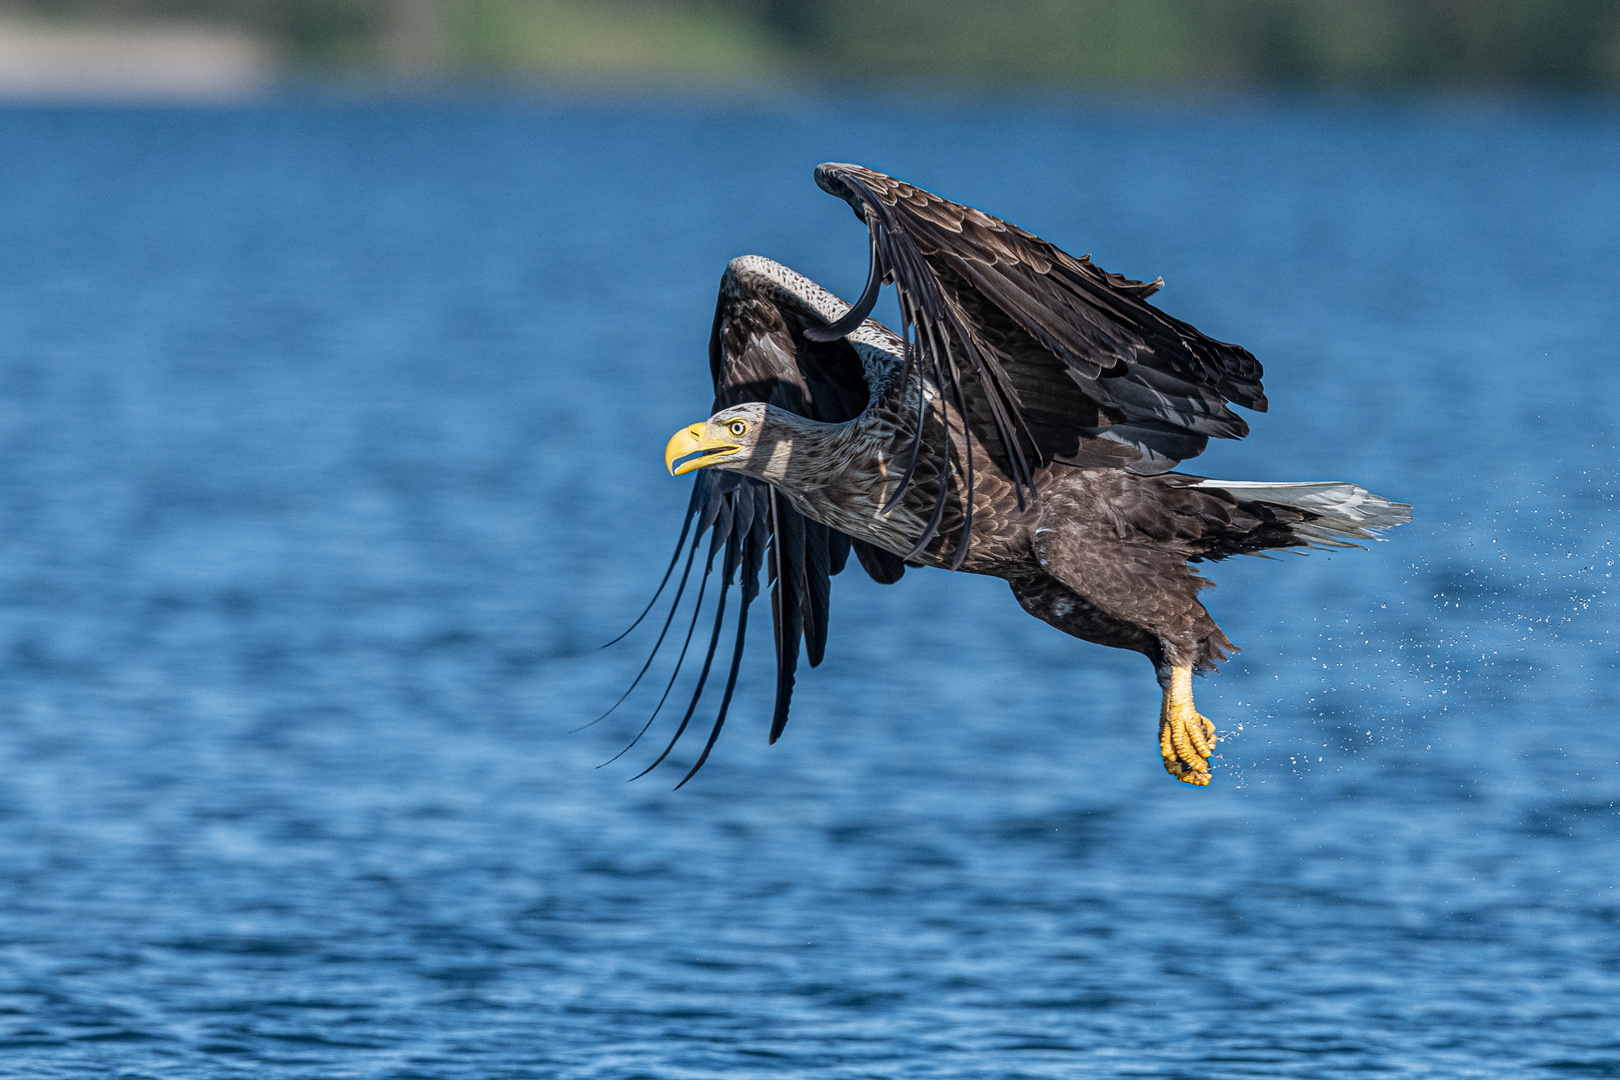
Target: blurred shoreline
[148,61]
[228,49]
[283,89]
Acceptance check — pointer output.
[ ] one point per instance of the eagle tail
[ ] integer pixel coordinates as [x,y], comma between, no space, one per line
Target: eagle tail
[1322,514]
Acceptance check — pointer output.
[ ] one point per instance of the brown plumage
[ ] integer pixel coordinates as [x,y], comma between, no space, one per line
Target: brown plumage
[1022,425]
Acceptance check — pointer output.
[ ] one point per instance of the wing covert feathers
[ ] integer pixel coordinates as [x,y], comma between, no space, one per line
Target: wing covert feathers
[990,303]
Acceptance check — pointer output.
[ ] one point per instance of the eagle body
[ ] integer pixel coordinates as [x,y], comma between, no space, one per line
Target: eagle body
[1023,424]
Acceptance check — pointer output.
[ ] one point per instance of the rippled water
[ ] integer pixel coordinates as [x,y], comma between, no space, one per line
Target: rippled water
[330,450]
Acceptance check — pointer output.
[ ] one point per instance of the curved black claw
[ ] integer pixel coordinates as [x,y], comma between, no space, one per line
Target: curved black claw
[855,316]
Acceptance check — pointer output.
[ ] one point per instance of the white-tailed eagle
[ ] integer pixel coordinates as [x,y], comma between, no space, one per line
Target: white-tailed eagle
[1023,424]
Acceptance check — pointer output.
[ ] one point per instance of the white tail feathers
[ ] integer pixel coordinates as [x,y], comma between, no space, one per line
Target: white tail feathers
[1342,513]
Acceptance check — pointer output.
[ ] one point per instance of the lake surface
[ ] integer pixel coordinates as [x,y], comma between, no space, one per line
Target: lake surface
[330,443]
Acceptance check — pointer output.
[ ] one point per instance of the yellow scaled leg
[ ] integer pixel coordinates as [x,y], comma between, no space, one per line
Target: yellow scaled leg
[1186,739]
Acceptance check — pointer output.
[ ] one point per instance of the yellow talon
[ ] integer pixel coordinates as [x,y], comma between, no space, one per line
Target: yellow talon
[1186,739]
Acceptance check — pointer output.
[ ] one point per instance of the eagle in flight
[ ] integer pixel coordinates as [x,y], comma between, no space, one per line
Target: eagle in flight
[1023,423]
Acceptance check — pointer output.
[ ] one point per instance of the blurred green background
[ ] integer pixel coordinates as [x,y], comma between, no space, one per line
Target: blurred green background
[1352,43]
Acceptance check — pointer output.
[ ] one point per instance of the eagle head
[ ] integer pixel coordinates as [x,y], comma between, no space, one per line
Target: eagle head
[731,438]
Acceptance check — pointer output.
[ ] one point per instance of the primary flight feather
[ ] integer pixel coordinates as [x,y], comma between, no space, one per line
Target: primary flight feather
[1023,424]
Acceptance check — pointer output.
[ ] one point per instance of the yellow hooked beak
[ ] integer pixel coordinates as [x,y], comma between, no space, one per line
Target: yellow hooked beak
[694,440]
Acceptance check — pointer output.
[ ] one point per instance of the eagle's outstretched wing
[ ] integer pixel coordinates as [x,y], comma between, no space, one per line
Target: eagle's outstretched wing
[1048,357]
[758,351]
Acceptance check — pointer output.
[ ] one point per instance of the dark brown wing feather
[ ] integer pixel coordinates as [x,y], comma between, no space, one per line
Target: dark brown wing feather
[1015,326]
[758,351]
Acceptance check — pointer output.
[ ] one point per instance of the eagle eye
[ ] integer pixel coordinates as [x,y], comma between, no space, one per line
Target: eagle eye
[737,428]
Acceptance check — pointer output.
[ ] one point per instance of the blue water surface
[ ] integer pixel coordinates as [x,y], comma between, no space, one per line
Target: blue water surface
[330,443]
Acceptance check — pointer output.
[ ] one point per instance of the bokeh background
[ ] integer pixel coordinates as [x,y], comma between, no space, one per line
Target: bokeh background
[339,343]
[219,46]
